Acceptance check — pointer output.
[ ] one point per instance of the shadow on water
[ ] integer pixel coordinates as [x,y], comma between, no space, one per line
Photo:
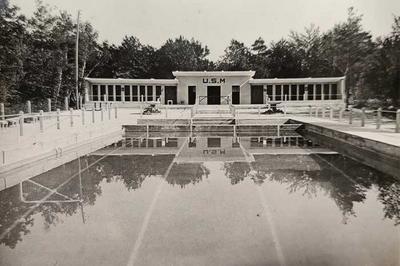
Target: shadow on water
[345,181]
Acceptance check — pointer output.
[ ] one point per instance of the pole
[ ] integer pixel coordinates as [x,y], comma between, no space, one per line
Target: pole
[21,123]
[2,112]
[41,121]
[77,63]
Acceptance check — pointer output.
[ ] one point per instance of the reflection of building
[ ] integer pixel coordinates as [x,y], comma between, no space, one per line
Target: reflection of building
[216,87]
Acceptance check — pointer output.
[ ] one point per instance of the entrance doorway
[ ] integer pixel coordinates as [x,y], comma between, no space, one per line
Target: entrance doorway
[192,95]
[170,94]
[257,94]
[235,94]
[214,94]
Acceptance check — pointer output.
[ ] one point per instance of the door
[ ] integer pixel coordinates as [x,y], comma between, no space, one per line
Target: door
[257,94]
[192,94]
[235,94]
[214,94]
[170,94]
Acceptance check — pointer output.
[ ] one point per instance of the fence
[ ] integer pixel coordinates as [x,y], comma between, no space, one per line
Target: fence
[378,118]
[43,130]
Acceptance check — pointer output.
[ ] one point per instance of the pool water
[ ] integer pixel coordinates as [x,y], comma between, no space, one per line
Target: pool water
[204,201]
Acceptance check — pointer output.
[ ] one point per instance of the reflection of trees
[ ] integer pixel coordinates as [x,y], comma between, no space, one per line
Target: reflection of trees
[133,169]
[187,173]
[236,171]
[344,180]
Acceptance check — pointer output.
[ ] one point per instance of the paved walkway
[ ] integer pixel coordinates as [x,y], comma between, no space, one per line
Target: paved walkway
[384,135]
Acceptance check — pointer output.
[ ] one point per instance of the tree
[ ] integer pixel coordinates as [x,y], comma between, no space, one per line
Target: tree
[283,61]
[12,51]
[259,58]
[346,47]
[181,54]
[236,57]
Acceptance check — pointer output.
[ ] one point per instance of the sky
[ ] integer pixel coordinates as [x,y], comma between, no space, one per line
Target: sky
[215,22]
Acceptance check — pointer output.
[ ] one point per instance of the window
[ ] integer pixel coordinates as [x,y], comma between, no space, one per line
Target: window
[318,92]
[293,93]
[142,93]
[278,92]
[110,91]
[118,93]
[149,93]
[102,92]
[95,93]
[213,142]
[334,95]
[310,92]
[135,93]
[158,92]
[127,93]
[302,89]
[326,92]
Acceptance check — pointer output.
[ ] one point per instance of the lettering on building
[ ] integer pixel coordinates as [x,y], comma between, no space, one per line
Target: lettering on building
[214,151]
[214,80]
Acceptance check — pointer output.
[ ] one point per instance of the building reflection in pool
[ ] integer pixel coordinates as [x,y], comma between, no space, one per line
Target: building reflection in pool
[294,163]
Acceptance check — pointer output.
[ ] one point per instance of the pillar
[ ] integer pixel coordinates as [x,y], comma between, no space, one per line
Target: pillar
[264,93]
[330,91]
[114,93]
[297,92]
[290,92]
[273,92]
[98,93]
[163,95]
[322,92]
[130,93]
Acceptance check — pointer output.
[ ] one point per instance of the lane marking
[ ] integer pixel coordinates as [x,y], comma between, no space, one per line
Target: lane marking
[146,221]
[268,213]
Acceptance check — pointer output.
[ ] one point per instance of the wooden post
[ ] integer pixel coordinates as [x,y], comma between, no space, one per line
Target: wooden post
[28,107]
[41,121]
[83,116]
[58,119]
[351,115]
[48,105]
[102,114]
[93,119]
[378,118]
[398,121]
[21,123]
[71,116]
[109,112]
[2,111]
[363,117]
[66,107]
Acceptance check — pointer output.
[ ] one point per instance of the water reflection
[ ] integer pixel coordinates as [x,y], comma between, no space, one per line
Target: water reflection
[180,161]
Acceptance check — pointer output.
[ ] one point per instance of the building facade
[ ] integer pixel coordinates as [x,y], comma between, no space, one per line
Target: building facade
[215,87]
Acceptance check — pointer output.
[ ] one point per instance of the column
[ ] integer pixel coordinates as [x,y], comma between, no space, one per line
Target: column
[98,93]
[297,92]
[264,93]
[145,93]
[107,93]
[290,92]
[330,91]
[273,92]
[87,94]
[313,91]
[322,92]
[343,89]
[153,89]
[163,95]
[282,96]
[138,93]
[114,94]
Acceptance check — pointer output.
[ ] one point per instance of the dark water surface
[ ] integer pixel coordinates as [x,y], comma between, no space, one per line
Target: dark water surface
[204,201]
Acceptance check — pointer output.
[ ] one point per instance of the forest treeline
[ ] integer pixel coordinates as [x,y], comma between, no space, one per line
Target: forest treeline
[37,57]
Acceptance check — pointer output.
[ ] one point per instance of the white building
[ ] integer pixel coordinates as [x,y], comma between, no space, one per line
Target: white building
[216,87]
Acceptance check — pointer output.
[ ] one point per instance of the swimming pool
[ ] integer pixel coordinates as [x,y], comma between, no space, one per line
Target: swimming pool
[207,200]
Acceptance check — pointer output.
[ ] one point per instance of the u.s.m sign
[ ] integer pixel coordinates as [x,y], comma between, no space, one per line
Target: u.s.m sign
[214,80]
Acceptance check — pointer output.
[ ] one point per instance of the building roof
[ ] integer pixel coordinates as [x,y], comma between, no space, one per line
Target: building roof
[213,73]
[296,80]
[133,81]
